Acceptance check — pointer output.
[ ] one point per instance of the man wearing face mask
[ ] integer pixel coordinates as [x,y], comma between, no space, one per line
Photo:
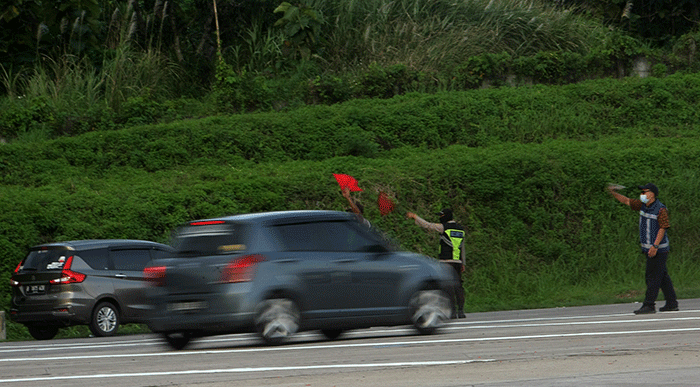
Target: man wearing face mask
[452,250]
[653,223]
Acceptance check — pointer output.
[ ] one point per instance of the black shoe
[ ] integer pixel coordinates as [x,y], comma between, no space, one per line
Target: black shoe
[668,308]
[460,314]
[646,309]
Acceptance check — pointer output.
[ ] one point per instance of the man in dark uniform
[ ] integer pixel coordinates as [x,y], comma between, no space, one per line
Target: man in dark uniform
[653,223]
[451,248]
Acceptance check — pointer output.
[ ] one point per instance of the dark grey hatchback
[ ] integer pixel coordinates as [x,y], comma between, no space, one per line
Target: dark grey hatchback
[278,273]
[88,282]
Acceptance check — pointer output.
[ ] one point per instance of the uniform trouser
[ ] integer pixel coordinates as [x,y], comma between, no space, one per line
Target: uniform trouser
[459,288]
[657,278]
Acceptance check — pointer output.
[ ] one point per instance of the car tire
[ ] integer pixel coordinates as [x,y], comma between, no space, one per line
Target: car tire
[177,340]
[277,320]
[430,309]
[42,332]
[105,320]
[332,334]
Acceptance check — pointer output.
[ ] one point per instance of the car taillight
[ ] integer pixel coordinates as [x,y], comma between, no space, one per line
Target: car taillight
[207,222]
[155,275]
[69,276]
[241,269]
[13,282]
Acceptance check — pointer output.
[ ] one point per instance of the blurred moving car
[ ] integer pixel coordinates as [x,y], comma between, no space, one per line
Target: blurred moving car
[278,273]
[88,282]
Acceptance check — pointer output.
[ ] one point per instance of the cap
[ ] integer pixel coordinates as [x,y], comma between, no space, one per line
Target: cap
[446,212]
[651,187]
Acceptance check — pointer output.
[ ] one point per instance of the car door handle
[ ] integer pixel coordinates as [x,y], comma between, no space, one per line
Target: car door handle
[345,260]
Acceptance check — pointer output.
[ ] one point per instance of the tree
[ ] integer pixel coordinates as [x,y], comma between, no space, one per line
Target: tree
[655,20]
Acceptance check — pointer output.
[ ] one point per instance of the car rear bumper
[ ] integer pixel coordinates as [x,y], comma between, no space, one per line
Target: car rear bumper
[62,316]
[204,323]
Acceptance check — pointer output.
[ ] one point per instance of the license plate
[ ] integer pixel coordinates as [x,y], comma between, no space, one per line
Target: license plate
[187,306]
[35,289]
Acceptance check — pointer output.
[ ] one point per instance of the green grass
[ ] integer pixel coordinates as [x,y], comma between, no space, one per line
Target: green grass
[523,167]
[432,36]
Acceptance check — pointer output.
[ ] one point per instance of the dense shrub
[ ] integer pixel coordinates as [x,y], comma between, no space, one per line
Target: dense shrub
[530,207]
[524,168]
[638,108]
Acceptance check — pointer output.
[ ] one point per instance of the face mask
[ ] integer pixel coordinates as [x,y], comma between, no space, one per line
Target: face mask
[644,199]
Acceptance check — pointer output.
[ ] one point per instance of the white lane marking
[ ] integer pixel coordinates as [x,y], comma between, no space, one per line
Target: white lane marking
[577,317]
[571,323]
[96,344]
[452,326]
[248,369]
[350,345]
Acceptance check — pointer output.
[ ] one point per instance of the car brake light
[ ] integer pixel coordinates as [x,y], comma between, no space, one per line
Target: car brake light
[155,275]
[14,282]
[69,276]
[241,269]
[207,222]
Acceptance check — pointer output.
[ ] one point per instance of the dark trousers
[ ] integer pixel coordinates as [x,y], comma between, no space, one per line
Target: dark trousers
[459,288]
[657,278]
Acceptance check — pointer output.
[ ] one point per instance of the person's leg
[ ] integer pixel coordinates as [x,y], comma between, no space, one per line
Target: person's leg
[654,277]
[667,285]
[459,292]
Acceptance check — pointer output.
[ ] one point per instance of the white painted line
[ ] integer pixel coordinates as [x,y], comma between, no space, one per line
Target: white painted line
[74,346]
[351,345]
[453,325]
[627,322]
[630,314]
[247,370]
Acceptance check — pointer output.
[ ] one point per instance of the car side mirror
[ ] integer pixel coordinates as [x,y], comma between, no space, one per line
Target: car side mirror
[377,248]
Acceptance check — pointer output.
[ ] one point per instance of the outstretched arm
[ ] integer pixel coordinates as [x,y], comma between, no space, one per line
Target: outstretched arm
[620,197]
[353,206]
[424,223]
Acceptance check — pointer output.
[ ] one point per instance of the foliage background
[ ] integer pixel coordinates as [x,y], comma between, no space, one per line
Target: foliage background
[123,119]
[543,231]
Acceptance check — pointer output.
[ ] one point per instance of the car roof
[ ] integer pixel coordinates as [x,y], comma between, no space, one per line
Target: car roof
[100,243]
[282,216]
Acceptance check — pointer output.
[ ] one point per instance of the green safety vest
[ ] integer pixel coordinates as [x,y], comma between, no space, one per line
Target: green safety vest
[451,241]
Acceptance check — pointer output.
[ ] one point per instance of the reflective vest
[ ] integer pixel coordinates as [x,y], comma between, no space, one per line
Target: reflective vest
[451,237]
[649,226]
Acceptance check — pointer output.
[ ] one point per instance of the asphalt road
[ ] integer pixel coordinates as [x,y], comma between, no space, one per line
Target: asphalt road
[584,346]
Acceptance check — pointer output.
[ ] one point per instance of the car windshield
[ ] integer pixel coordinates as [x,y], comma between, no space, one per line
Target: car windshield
[46,259]
[208,239]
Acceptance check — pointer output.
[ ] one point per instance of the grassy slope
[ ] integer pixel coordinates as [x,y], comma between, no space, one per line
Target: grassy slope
[525,170]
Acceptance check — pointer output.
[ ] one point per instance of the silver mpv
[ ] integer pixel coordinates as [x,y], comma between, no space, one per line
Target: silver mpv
[98,283]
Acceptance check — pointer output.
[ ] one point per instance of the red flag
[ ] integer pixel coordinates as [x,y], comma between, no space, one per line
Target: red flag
[385,204]
[347,181]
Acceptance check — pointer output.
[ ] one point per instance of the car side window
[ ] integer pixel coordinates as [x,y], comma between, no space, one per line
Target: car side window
[323,236]
[209,239]
[95,258]
[130,259]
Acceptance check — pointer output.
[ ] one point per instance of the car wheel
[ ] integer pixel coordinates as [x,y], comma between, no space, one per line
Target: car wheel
[42,332]
[105,320]
[277,320]
[429,310]
[177,340]
[332,334]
